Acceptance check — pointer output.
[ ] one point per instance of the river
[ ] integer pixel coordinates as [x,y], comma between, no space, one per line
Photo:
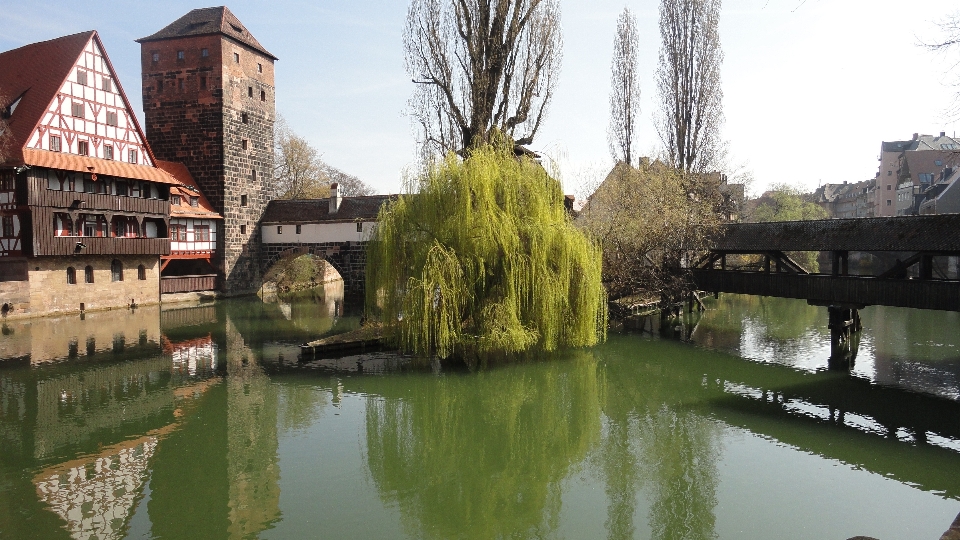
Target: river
[201,422]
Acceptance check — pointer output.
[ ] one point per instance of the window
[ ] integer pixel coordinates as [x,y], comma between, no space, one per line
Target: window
[180,55]
[279,229]
[888,202]
[244,118]
[132,156]
[116,271]
[938,163]
[889,173]
[107,151]
[236,58]
[76,109]
[253,175]
[243,229]
[111,118]
[195,202]
[6,180]
[298,229]
[180,84]
[155,56]
[7,226]
[925,178]
[122,189]
[201,233]
[142,272]
[203,83]
[55,143]
[888,187]
[81,77]
[107,84]
[249,91]
[178,233]
[204,52]
[159,86]
[359,226]
[259,67]
[83,148]
[88,274]
[243,200]
[71,275]
[263,95]
[175,200]
[243,144]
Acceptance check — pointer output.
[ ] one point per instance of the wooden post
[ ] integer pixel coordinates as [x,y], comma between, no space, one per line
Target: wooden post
[926,267]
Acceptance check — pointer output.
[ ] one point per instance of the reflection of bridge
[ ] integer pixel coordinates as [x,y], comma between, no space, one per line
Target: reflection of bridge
[913,245]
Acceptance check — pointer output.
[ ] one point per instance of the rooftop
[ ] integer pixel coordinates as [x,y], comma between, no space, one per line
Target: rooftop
[207,21]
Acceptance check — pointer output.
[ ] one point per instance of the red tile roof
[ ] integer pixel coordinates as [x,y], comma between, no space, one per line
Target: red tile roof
[86,164]
[207,21]
[35,73]
[187,188]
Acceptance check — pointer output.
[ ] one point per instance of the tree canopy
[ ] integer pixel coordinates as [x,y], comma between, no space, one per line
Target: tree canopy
[624,89]
[483,260]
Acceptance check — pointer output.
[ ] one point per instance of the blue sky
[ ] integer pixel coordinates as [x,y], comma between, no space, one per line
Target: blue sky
[811,87]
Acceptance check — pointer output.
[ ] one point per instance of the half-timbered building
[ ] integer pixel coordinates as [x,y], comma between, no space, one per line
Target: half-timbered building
[84,208]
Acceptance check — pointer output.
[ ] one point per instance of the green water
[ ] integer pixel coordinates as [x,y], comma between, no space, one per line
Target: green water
[200,422]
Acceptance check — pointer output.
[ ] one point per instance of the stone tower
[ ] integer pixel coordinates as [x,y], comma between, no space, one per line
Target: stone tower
[209,103]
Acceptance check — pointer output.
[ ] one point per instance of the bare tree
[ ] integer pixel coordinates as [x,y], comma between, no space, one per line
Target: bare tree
[350,186]
[624,89]
[688,79]
[298,173]
[949,41]
[481,66]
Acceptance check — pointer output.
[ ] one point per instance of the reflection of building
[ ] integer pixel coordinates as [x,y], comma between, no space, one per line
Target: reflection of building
[193,357]
[95,496]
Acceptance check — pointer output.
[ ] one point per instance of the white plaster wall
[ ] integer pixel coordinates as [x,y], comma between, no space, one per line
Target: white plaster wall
[317,233]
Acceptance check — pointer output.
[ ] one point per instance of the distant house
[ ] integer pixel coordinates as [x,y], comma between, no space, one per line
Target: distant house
[921,162]
[846,200]
[942,198]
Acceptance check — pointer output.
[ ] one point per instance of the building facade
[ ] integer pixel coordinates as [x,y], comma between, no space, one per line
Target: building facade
[209,103]
[84,210]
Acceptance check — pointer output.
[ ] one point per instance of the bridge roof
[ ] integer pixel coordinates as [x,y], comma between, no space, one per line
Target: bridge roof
[933,233]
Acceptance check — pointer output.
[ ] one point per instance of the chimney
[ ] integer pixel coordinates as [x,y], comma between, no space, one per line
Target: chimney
[916,136]
[943,133]
[335,198]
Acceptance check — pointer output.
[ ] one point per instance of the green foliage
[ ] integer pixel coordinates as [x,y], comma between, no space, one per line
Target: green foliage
[484,260]
[786,203]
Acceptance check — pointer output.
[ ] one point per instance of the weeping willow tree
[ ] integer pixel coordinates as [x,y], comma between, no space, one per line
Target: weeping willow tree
[483,260]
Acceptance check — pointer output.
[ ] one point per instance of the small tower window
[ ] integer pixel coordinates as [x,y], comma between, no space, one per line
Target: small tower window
[243,200]
[263,95]
[244,118]
[243,229]
[249,91]
[298,228]
[204,52]
[253,175]
[160,86]
[259,67]
[236,58]
[180,55]
[203,83]
[71,275]
[279,229]
[180,84]
[142,272]
[359,226]
[243,144]
[88,274]
[81,77]
[155,57]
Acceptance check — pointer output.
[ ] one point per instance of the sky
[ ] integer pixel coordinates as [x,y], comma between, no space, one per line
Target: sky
[811,87]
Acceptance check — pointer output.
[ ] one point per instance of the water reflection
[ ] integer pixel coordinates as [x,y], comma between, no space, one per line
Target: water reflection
[483,455]
[177,426]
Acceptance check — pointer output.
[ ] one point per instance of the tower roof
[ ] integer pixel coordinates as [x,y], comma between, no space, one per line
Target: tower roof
[207,21]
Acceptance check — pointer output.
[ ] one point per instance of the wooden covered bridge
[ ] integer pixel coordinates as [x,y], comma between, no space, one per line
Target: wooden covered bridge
[912,264]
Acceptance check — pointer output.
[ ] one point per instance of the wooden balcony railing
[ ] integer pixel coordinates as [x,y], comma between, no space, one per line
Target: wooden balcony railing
[183,284]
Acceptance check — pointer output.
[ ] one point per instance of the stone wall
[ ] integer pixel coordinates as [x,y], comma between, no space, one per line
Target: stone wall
[216,115]
[349,258]
[50,293]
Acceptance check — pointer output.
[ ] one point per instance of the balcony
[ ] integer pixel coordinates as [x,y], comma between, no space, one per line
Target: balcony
[184,284]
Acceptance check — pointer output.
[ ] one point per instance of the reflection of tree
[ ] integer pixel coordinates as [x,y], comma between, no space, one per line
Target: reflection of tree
[300,405]
[483,453]
[653,437]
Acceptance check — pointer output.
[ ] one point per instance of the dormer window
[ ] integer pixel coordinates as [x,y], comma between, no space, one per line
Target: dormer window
[82,77]
[175,200]
[195,202]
